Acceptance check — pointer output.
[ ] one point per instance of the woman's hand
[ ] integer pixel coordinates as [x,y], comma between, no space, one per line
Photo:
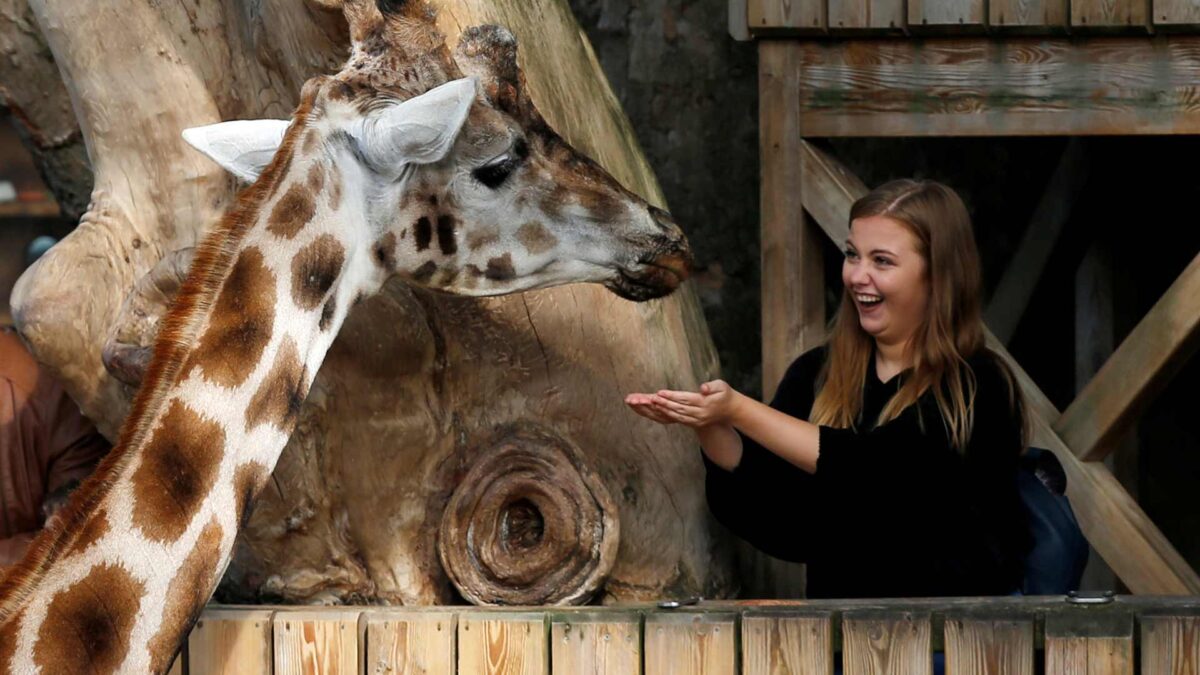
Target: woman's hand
[643,404]
[715,404]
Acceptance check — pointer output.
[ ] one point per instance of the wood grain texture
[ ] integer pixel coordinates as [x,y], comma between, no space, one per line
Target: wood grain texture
[1170,645]
[1109,14]
[793,301]
[596,646]
[989,647]
[315,642]
[958,14]
[231,642]
[893,645]
[799,15]
[1089,656]
[1113,522]
[503,644]
[1028,15]
[866,15]
[775,644]
[1004,86]
[690,643]
[411,643]
[1134,375]
[1172,13]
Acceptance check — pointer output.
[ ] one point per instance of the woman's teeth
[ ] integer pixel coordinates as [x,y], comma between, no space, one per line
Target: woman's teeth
[865,299]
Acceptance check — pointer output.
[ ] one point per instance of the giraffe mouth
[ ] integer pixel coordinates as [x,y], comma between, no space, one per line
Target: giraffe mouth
[650,279]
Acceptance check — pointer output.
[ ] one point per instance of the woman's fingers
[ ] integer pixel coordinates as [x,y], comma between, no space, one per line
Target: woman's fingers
[650,412]
[681,396]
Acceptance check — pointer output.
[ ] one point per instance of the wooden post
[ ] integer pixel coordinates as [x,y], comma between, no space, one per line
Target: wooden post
[317,641]
[883,642]
[690,643]
[231,642]
[596,644]
[508,643]
[411,642]
[1077,644]
[1170,644]
[787,642]
[989,647]
[800,15]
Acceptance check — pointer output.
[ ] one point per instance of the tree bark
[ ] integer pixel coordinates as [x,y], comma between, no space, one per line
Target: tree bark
[416,391]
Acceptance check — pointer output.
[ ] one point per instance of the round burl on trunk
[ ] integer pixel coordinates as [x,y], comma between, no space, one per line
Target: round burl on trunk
[529,524]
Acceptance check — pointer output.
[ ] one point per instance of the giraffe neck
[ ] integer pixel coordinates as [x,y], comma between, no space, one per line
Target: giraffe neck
[144,544]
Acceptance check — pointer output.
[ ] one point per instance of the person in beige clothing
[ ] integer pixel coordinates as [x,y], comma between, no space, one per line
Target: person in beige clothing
[47,447]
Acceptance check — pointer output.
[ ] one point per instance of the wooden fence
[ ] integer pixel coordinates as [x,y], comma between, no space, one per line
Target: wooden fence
[1018,636]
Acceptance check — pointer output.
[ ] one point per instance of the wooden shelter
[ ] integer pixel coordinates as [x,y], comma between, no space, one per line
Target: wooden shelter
[1003,68]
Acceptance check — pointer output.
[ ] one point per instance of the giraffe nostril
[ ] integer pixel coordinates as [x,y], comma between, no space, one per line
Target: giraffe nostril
[663,219]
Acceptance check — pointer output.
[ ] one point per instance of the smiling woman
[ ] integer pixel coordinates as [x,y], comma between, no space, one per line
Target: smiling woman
[890,454]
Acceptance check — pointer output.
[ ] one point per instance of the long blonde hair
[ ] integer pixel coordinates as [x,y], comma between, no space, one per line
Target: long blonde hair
[951,333]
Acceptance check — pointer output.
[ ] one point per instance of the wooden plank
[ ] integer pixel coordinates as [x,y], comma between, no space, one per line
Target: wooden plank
[954,14]
[866,15]
[404,642]
[1008,302]
[1110,14]
[1170,645]
[998,86]
[690,643]
[739,18]
[1137,372]
[583,644]
[308,642]
[989,647]
[230,642]
[793,300]
[511,643]
[1114,524]
[1075,645]
[775,643]
[806,16]
[1171,13]
[1049,15]
[875,643]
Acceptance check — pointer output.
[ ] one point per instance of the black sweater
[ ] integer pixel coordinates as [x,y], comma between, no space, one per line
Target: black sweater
[891,511]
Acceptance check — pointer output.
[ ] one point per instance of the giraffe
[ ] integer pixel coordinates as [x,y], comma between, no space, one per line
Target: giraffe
[407,162]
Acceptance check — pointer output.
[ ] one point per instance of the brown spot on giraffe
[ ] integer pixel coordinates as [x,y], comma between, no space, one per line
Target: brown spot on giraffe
[384,251]
[327,313]
[96,526]
[310,141]
[186,595]
[248,481]
[278,399]
[335,190]
[477,239]
[315,268]
[88,624]
[292,212]
[240,324]
[8,640]
[552,202]
[423,273]
[603,206]
[500,268]
[422,233]
[316,177]
[536,238]
[340,91]
[177,469]
[448,276]
[445,235]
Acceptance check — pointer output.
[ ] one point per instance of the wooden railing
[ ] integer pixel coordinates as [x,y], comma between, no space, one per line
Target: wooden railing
[995,635]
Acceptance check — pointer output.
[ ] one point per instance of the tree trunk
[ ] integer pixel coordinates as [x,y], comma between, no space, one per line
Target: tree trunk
[425,400]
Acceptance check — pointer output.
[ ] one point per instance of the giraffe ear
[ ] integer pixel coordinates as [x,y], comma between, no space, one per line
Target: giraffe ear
[420,130]
[242,147]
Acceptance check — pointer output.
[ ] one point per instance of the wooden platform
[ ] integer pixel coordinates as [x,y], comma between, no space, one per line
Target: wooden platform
[998,635]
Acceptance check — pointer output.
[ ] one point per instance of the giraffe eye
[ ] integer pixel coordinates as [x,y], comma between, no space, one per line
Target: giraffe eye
[495,172]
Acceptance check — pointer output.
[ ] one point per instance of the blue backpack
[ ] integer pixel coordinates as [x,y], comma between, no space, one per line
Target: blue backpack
[1054,565]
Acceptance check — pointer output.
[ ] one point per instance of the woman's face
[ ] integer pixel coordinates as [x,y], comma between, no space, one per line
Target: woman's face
[886,278]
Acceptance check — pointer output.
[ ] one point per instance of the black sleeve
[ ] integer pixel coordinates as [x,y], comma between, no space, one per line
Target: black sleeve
[763,490]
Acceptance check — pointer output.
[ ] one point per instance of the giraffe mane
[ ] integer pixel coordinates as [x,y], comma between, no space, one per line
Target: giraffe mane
[213,260]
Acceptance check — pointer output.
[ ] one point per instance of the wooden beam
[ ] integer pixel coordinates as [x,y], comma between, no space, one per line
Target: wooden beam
[1115,525]
[1010,86]
[957,15]
[1110,14]
[1141,367]
[1176,13]
[1012,295]
[793,299]
[1027,15]
[798,16]
[866,16]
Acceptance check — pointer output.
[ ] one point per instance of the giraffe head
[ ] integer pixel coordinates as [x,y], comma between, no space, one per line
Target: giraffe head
[448,172]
